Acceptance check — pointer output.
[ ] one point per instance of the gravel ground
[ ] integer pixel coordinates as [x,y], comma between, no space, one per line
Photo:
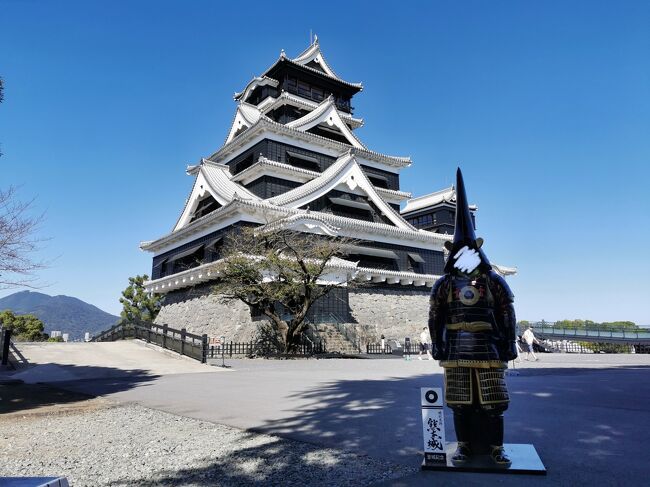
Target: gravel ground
[134,445]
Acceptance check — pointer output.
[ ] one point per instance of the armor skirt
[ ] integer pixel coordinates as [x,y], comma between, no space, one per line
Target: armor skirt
[463,383]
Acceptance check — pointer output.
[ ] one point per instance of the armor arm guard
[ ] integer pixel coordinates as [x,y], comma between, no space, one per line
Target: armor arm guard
[504,314]
[438,316]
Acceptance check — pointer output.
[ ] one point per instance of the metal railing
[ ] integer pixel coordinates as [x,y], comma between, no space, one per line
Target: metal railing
[311,337]
[248,349]
[5,344]
[377,349]
[180,341]
[591,333]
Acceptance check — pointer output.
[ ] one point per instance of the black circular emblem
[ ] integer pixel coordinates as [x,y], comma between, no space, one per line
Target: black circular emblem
[469,295]
[431,397]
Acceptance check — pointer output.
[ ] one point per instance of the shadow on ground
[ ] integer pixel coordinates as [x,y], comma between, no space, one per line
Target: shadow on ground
[16,396]
[588,426]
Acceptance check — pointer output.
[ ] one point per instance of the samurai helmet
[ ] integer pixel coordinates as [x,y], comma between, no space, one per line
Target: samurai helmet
[465,252]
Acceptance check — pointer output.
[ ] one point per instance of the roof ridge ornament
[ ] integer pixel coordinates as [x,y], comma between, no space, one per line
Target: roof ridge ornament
[282,54]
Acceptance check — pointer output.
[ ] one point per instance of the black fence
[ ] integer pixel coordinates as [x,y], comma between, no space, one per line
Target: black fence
[5,343]
[377,349]
[249,349]
[180,341]
[197,346]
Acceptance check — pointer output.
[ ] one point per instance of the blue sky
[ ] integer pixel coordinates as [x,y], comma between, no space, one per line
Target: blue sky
[545,105]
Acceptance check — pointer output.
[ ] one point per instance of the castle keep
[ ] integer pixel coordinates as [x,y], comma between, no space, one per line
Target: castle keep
[291,157]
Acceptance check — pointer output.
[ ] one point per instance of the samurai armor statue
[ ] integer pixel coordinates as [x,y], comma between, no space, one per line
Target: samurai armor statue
[473,333]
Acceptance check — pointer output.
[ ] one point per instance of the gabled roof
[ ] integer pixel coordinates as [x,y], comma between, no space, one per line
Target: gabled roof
[265,166]
[345,170]
[447,195]
[265,123]
[326,113]
[270,212]
[308,55]
[314,54]
[254,83]
[503,270]
[246,116]
[214,179]
[286,98]
[307,222]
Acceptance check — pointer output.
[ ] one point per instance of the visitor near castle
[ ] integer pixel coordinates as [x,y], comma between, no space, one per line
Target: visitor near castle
[529,338]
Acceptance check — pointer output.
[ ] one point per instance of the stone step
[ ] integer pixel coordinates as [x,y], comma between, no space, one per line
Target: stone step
[334,340]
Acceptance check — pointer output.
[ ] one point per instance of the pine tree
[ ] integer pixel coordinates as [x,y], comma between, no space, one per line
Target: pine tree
[138,304]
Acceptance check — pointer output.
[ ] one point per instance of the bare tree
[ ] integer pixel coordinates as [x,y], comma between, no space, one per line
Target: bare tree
[282,274]
[17,243]
[2,96]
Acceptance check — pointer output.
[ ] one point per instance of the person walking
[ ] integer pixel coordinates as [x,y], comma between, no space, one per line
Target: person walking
[425,340]
[519,350]
[529,338]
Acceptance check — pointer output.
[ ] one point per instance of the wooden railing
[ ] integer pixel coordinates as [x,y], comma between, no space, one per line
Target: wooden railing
[180,341]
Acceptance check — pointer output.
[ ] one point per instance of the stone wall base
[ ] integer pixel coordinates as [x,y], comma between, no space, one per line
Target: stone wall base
[200,311]
[395,313]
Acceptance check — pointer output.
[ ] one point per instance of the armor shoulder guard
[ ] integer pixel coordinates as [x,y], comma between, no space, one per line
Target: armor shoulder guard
[501,286]
[439,286]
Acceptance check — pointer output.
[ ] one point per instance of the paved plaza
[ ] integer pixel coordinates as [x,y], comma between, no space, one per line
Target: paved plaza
[587,415]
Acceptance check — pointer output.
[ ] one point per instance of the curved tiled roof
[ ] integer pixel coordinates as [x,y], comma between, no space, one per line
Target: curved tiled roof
[210,271]
[215,179]
[302,218]
[254,83]
[247,113]
[313,53]
[447,195]
[266,122]
[303,58]
[281,212]
[272,103]
[345,168]
[328,113]
[280,166]
[220,182]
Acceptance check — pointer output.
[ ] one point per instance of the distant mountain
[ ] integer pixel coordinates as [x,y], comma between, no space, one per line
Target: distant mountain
[64,313]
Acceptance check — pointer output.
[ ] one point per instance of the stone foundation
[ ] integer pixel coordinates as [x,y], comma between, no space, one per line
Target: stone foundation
[200,311]
[395,313]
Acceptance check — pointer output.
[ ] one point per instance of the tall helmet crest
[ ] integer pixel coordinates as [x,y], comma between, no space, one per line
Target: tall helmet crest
[464,235]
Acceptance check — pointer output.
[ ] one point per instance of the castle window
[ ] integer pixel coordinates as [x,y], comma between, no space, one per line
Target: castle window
[415,262]
[303,161]
[372,257]
[212,249]
[356,204]
[159,269]
[379,181]
[317,94]
[205,206]
[244,164]
[186,259]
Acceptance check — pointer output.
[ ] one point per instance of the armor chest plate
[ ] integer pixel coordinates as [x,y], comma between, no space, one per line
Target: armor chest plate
[470,292]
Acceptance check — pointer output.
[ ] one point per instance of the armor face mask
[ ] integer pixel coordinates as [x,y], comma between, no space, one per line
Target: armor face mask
[465,253]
